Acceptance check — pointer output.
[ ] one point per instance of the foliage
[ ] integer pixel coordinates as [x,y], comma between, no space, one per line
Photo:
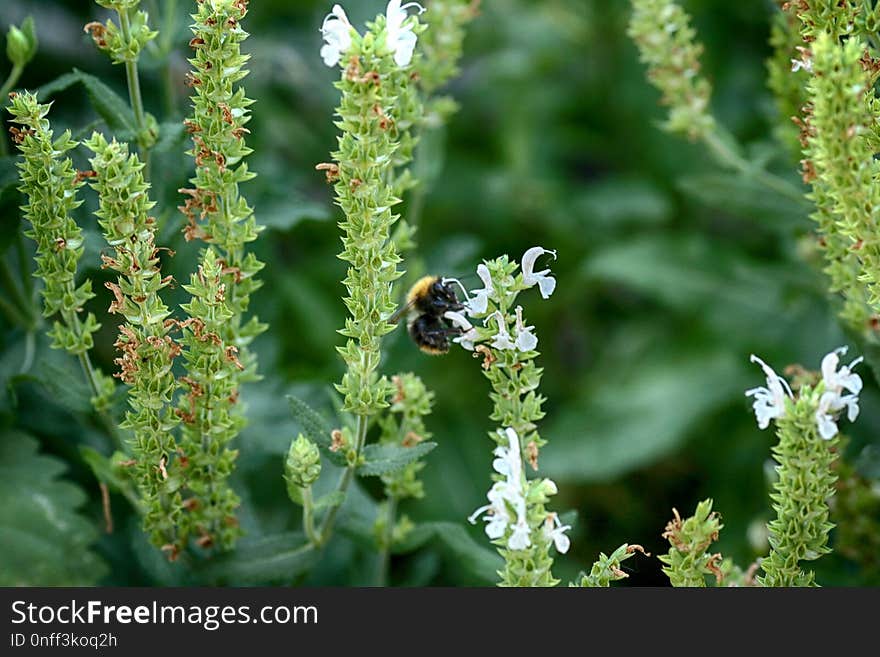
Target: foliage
[520,123]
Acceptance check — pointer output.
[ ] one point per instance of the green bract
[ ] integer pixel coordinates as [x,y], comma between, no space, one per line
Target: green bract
[371,87]
[667,44]
[147,350]
[689,561]
[50,184]
[801,494]
[216,211]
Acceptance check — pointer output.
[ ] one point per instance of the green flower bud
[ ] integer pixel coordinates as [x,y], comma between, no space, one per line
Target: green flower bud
[303,464]
[21,44]
[688,561]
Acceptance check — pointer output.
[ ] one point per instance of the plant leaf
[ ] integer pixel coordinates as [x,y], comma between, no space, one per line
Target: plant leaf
[45,541]
[314,427]
[382,459]
[109,105]
[477,560]
[273,559]
[632,419]
[334,498]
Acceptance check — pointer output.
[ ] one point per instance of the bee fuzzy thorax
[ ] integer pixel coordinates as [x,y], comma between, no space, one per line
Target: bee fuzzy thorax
[420,289]
[428,300]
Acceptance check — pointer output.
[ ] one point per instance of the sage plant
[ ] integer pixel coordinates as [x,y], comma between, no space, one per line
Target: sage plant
[216,211]
[806,418]
[147,350]
[124,43]
[51,184]
[371,83]
[839,163]
[688,561]
[516,517]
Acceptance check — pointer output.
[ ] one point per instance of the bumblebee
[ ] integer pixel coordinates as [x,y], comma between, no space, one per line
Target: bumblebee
[426,302]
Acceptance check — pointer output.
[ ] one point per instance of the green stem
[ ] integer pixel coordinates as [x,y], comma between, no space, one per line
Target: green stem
[344,481]
[729,158]
[30,341]
[134,94]
[88,369]
[309,516]
[387,540]
[8,84]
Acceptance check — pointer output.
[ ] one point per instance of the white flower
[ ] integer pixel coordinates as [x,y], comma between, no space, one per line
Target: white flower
[509,460]
[502,338]
[555,531]
[497,517]
[835,380]
[833,400]
[479,303]
[401,40]
[826,414]
[770,401]
[468,332]
[336,31]
[525,339]
[519,539]
[505,495]
[545,283]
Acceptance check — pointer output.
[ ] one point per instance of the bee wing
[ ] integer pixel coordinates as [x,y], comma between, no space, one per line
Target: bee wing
[400,312]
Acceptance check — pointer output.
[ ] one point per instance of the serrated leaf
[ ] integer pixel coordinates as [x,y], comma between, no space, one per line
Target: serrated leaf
[477,560]
[59,84]
[45,541]
[314,427]
[382,459]
[109,105]
[63,382]
[274,559]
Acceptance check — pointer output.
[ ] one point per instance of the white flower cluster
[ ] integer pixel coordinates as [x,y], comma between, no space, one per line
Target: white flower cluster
[769,401]
[477,305]
[399,36]
[507,502]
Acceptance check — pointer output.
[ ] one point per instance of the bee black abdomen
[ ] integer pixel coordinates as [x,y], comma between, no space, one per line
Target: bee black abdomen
[430,334]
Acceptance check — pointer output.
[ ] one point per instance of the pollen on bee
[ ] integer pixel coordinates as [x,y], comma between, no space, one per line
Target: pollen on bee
[420,288]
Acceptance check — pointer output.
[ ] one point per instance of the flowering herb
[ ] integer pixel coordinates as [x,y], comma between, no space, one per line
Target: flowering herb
[516,518]
[807,431]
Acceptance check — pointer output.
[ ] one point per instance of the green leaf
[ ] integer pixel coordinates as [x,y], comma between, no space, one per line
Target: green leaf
[45,541]
[748,198]
[63,381]
[723,294]
[382,459]
[638,415]
[618,202]
[56,86]
[314,427]
[477,560]
[334,498]
[109,105]
[275,559]
[283,214]
[171,135]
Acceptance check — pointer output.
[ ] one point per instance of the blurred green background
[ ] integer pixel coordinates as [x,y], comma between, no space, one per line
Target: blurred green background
[670,273]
